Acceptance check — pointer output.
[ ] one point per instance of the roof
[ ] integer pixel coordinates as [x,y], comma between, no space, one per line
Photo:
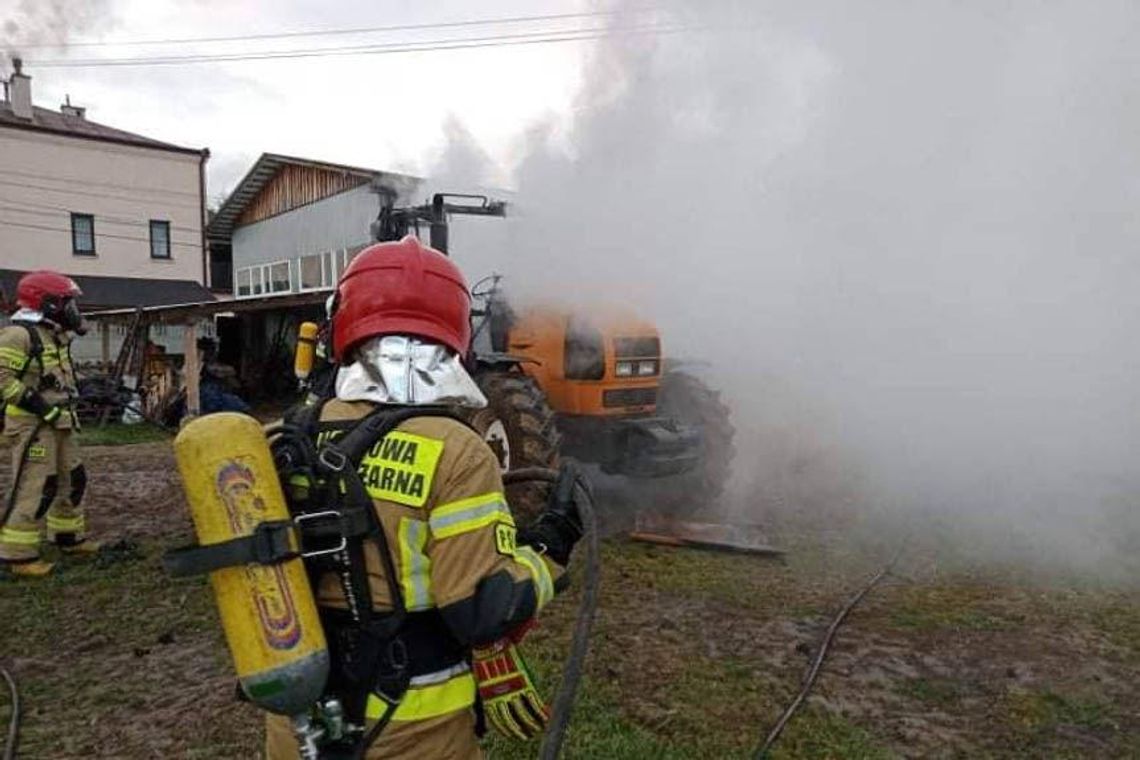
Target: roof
[46,120]
[264,169]
[107,292]
[193,311]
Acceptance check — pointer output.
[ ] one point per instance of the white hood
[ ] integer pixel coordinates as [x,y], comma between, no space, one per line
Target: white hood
[27,315]
[400,369]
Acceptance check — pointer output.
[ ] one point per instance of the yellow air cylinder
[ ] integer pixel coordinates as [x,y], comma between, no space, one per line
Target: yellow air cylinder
[268,611]
[306,349]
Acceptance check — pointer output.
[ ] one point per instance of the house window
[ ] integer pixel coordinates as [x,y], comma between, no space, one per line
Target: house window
[83,234]
[159,239]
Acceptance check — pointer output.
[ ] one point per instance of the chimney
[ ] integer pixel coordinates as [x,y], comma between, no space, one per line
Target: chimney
[67,109]
[20,91]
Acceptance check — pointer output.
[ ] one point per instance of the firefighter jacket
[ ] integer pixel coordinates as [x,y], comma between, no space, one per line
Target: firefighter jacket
[438,493]
[44,366]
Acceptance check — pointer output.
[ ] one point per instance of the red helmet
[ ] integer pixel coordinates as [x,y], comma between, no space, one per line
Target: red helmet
[401,288]
[35,286]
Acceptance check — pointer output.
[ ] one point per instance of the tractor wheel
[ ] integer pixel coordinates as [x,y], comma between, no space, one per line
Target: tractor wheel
[689,400]
[518,425]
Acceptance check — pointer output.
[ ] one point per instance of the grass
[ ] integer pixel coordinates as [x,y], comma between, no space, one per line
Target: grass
[822,735]
[962,608]
[724,578]
[1120,623]
[936,692]
[695,654]
[1088,725]
[99,643]
[118,434]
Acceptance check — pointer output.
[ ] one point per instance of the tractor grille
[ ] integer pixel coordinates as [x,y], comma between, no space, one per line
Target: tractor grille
[637,348]
[629,397]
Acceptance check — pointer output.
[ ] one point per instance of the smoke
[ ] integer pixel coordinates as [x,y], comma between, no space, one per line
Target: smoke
[903,234]
[49,22]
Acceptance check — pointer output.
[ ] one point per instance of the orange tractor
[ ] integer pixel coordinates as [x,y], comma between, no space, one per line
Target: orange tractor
[596,387]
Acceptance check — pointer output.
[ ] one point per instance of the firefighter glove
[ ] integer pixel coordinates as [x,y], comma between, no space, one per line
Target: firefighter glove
[33,402]
[559,526]
[511,701]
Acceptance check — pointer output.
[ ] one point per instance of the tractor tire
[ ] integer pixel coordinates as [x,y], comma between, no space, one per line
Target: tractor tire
[689,400]
[518,425]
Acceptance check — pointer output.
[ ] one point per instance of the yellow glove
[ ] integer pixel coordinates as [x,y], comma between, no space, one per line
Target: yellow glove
[511,702]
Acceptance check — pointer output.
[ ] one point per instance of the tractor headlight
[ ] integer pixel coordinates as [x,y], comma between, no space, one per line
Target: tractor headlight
[624,369]
[644,369]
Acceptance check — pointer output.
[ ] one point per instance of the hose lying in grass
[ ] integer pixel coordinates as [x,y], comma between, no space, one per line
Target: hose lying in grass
[820,655]
[13,739]
[572,672]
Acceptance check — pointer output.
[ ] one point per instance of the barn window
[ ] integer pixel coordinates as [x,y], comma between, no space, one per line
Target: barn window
[316,271]
[243,282]
[277,278]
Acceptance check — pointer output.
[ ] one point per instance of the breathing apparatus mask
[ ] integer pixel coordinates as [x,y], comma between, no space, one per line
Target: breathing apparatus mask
[64,312]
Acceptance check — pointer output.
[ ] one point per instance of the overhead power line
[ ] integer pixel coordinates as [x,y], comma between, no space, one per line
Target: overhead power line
[322,32]
[531,38]
[10,223]
[27,207]
[83,181]
[94,194]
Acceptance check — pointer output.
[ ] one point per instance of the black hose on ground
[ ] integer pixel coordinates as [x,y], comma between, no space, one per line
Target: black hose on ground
[13,740]
[820,655]
[580,644]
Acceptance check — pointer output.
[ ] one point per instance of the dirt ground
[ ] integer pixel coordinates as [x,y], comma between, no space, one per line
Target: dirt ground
[694,655]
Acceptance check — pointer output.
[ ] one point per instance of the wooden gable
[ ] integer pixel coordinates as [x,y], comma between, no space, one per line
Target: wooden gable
[295,186]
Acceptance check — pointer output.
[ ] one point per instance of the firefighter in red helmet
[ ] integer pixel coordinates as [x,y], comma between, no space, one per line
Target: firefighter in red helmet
[451,584]
[38,387]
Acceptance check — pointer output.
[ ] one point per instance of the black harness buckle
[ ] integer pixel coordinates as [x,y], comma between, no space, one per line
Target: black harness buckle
[332,460]
[339,536]
[271,542]
[392,672]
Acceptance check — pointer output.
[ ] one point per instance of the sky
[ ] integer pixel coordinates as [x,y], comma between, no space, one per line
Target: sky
[378,111]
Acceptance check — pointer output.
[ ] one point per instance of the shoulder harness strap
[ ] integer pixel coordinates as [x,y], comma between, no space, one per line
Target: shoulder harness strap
[338,461]
[35,348]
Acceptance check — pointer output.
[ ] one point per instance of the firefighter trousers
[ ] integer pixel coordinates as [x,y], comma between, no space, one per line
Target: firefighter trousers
[48,481]
[448,737]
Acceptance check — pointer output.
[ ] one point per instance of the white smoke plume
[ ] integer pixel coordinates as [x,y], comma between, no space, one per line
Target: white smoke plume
[904,234]
[26,23]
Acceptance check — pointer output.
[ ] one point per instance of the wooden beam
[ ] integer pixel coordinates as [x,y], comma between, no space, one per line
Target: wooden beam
[191,370]
[105,337]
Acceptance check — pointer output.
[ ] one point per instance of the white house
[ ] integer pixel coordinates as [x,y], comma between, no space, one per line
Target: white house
[122,214]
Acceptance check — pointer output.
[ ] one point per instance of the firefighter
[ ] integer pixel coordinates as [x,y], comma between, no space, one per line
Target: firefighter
[470,583]
[37,384]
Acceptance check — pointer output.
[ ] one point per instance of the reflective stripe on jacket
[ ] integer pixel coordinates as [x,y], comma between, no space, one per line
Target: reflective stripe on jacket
[20,370]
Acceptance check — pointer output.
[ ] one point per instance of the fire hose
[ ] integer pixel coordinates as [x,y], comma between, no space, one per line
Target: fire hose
[820,655]
[13,740]
[580,643]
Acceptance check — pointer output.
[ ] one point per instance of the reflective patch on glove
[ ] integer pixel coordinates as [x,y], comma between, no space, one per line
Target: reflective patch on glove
[510,699]
[506,541]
